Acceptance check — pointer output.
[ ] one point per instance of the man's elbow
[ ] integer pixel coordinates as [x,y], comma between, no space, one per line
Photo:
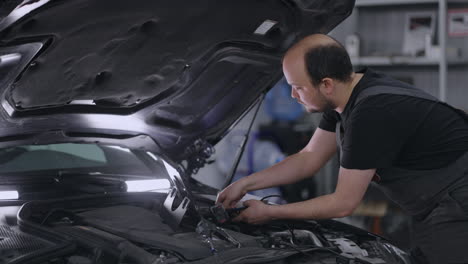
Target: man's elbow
[347,209]
[345,212]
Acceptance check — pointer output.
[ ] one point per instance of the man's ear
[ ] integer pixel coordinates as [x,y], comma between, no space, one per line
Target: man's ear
[327,86]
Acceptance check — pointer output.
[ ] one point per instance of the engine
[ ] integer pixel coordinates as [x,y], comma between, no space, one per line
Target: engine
[130,228]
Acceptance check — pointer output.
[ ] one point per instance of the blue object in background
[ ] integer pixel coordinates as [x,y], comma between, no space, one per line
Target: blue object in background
[261,154]
[279,103]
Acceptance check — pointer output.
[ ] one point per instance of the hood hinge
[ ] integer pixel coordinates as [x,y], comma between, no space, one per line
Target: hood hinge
[197,156]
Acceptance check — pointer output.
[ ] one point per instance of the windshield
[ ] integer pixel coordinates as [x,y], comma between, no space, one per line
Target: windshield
[29,159]
[68,169]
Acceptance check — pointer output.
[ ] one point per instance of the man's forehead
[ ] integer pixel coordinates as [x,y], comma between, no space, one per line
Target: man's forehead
[296,76]
[294,63]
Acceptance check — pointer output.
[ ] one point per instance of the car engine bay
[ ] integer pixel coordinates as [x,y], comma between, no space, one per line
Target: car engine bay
[131,228]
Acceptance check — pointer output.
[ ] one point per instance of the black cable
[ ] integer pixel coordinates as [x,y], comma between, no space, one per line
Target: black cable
[291,230]
[76,219]
[47,216]
[51,212]
[293,237]
[270,196]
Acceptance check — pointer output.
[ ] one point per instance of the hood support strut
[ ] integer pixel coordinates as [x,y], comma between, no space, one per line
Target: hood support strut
[243,144]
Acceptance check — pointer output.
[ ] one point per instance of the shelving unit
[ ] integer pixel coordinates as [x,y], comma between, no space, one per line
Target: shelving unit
[360,3]
[416,61]
[401,60]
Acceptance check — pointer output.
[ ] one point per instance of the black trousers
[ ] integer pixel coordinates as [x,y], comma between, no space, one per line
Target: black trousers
[441,235]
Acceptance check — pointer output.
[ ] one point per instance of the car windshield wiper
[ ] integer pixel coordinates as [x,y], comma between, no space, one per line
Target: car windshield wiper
[46,186]
[89,182]
[57,183]
[128,182]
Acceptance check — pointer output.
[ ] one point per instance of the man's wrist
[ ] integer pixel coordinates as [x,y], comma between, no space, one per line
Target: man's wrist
[272,212]
[248,184]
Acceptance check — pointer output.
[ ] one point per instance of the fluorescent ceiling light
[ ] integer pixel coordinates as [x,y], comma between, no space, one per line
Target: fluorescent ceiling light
[8,195]
[148,185]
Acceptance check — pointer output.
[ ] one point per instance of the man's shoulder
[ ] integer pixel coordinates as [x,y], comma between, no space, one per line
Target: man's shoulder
[387,101]
[376,91]
[388,108]
[377,78]
[390,111]
[379,102]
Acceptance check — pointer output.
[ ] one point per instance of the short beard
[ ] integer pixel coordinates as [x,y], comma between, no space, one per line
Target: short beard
[328,106]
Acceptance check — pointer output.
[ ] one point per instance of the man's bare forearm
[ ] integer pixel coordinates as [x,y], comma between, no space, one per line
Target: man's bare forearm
[322,207]
[351,186]
[292,169]
[306,163]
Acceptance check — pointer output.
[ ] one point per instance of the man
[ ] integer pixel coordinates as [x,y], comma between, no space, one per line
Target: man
[412,145]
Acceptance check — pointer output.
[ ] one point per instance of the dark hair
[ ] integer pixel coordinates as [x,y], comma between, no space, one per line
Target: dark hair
[330,61]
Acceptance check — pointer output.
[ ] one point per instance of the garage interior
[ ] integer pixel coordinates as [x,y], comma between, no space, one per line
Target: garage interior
[420,42]
[378,35]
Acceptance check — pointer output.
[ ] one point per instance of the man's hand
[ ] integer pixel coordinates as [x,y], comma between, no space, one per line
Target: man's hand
[232,194]
[257,212]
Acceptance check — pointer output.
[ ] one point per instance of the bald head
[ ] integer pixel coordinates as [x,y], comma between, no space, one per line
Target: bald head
[319,56]
[316,40]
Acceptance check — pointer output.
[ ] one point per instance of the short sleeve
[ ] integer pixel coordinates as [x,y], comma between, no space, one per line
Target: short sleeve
[329,120]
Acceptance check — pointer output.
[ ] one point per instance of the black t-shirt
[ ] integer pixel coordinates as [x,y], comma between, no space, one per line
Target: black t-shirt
[388,130]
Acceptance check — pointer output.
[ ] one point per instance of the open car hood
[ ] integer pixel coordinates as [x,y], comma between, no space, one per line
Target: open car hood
[176,71]
[129,79]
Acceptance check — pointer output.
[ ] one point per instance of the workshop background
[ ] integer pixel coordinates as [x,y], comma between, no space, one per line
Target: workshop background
[422,42]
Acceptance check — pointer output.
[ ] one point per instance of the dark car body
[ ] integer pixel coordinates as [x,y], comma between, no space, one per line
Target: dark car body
[108,107]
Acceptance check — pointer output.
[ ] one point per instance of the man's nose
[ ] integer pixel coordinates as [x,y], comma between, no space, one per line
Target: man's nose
[294,93]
